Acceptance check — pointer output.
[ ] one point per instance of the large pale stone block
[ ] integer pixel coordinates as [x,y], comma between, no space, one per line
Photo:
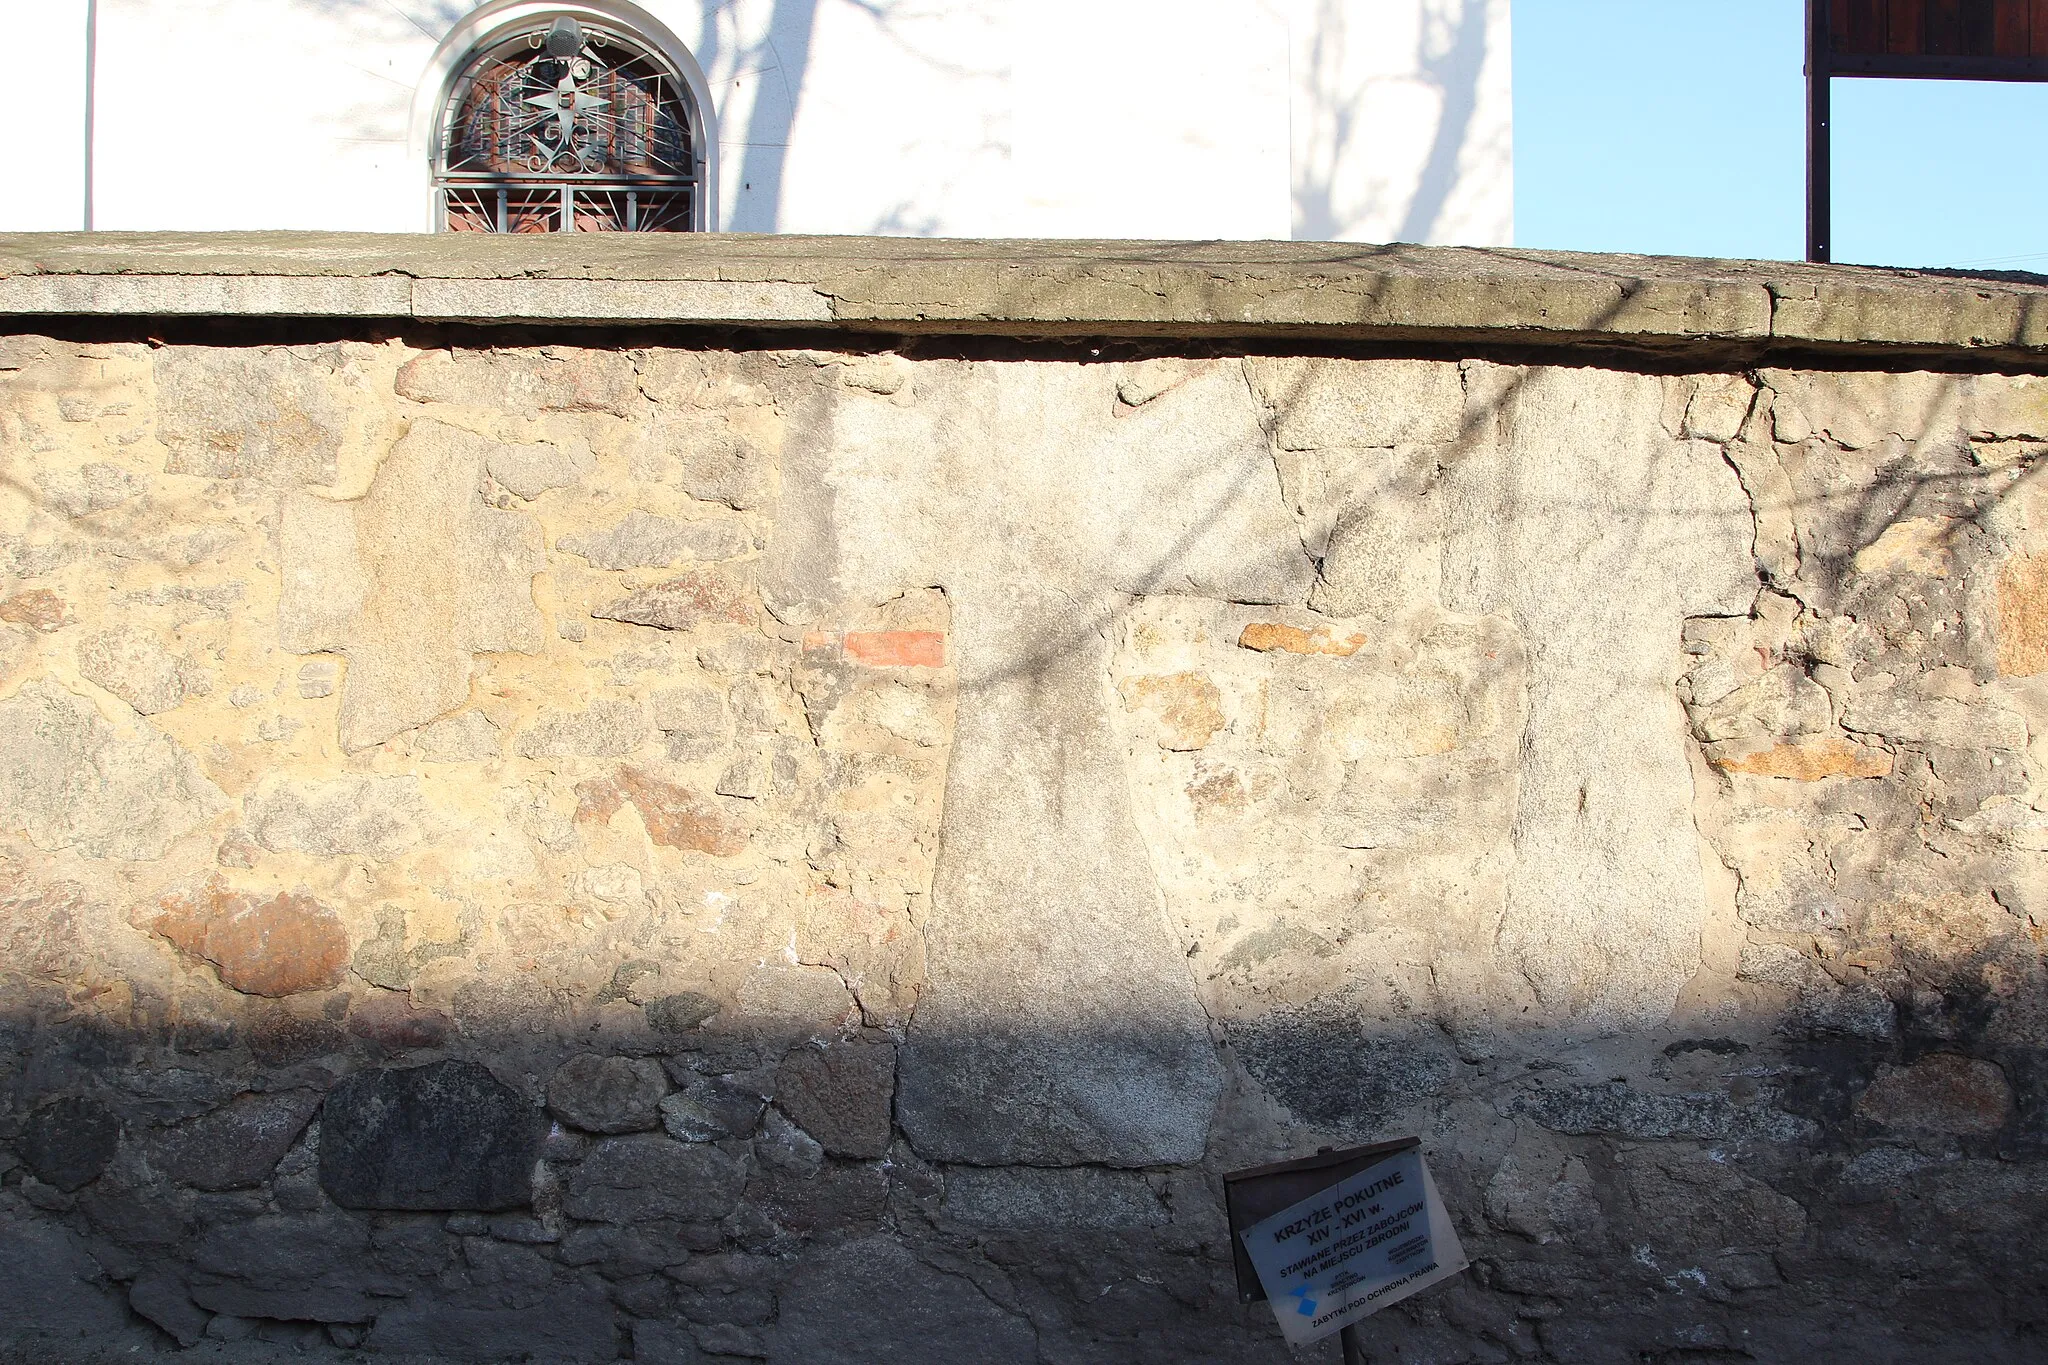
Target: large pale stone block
[644,541]
[377,817]
[68,779]
[874,1300]
[409,582]
[1576,513]
[1322,403]
[232,413]
[135,667]
[554,379]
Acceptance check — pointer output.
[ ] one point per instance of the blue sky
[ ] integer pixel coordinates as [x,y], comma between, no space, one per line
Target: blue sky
[1678,126]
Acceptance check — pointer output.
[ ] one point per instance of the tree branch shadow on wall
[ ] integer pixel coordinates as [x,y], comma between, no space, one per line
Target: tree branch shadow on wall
[785,52]
[921,212]
[1450,57]
[1452,64]
[381,122]
[764,147]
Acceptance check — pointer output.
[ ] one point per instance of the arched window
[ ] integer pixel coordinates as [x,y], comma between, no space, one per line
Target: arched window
[568,125]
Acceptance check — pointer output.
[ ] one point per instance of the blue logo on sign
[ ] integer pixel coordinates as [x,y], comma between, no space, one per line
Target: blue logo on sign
[1307,1307]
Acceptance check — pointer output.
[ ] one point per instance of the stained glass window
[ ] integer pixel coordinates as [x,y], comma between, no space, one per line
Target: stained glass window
[569,126]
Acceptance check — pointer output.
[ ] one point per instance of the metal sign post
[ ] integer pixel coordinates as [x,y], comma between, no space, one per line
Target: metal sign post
[1337,1236]
[1947,40]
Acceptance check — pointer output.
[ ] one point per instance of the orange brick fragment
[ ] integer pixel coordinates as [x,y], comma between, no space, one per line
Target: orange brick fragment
[675,817]
[38,609]
[1806,760]
[1270,636]
[897,648]
[2023,616]
[273,946]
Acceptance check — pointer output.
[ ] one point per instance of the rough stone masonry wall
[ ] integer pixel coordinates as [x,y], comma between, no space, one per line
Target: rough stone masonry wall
[708,854]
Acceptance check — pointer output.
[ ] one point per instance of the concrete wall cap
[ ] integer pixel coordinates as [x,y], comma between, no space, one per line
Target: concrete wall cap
[1334,290]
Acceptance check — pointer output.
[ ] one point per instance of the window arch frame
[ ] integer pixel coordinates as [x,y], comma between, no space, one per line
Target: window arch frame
[497,20]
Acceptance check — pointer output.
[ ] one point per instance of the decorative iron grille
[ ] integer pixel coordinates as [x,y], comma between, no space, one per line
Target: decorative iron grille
[568,127]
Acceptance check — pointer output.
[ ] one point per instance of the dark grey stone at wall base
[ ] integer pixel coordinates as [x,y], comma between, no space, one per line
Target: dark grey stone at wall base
[840,1095]
[278,1249]
[1052,1198]
[314,1303]
[664,1343]
[1618,1110]
[1292,1053]
[872,1302]
[292,1268]
[238,1145]
[633,1179]
[607,1094]
[448,1135]
[162,1297]
[50,1287]
[571,1324]
[993,1100]
[69,1141]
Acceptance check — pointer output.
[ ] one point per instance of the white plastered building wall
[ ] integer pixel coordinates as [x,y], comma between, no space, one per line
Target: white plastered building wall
[45,185]
[1372,120]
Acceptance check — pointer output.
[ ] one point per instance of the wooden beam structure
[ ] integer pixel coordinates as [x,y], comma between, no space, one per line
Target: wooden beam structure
[1953,40]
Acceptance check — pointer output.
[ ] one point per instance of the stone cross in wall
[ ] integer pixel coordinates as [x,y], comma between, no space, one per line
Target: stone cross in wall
[409,582]
[1060,1023]
[1577,503]
[1576,511]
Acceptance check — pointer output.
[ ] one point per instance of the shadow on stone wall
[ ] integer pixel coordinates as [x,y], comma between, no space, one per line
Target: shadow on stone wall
[489,1187]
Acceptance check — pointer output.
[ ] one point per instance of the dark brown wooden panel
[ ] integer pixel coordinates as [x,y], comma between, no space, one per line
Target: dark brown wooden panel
[1941,33]
[1971,40]
[2012,20]
[1980,27]
[1858,25]
[1905,27]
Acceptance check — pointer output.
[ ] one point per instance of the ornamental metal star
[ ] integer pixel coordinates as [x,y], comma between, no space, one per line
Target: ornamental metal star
[567,104]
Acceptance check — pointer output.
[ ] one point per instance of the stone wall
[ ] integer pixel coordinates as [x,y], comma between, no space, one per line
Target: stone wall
[701,850]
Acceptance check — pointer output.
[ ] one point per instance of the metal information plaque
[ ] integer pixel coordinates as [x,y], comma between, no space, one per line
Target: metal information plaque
[1376,1236]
